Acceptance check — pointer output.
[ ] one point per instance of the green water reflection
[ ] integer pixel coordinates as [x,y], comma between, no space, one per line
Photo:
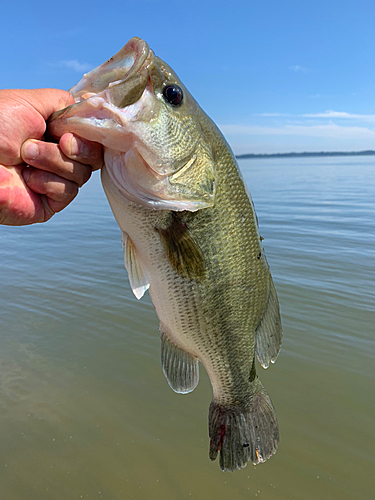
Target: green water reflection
[85,411]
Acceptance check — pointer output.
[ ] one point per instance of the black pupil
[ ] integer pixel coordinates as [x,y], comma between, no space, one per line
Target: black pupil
[173,94]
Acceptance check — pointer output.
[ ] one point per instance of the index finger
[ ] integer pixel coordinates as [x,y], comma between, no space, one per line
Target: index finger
[81,150]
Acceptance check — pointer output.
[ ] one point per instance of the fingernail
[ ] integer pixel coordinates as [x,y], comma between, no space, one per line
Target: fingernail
[30,150]
[74,146]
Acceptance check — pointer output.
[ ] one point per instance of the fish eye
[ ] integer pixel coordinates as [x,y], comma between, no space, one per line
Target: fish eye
[173,94]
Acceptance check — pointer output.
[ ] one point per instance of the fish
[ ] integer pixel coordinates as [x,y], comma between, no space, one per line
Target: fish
[190,236]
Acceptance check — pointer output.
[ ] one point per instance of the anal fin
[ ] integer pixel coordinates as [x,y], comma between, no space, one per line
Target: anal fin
[268,336]
[179,367]
[138,276]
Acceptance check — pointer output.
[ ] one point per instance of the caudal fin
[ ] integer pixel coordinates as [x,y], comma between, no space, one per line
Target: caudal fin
[243,434]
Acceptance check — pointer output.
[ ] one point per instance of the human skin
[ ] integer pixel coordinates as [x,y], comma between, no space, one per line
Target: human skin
[39,178]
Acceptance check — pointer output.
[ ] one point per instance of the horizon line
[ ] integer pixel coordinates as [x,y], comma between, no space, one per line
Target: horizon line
[366,152]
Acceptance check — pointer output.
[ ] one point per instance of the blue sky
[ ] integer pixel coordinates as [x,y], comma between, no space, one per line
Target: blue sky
[276,76]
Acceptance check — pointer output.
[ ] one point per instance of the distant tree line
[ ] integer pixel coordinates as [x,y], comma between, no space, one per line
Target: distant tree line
[368,152]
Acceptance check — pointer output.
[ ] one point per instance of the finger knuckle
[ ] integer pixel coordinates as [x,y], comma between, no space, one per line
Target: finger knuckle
[61,191]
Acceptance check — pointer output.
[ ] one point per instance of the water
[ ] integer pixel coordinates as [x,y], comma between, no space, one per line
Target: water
[85,411]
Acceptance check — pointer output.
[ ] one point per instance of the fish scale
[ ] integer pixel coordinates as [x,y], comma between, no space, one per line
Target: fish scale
[190,236]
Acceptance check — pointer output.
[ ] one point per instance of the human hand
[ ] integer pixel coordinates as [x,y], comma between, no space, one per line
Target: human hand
[38,178]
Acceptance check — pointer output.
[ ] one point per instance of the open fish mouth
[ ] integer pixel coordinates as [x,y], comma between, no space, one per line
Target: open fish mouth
[123,78]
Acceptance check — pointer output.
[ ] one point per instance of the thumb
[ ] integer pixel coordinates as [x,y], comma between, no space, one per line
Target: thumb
[24,113]
[47,101]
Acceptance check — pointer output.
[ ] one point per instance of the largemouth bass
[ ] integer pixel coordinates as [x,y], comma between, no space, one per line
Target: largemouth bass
[190,236]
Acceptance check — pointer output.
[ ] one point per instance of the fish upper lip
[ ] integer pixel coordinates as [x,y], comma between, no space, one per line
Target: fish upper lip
[98,79]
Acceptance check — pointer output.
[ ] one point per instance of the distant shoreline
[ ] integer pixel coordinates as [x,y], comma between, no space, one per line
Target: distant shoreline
[368,152]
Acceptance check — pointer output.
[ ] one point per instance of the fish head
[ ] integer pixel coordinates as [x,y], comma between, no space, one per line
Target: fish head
[156,152]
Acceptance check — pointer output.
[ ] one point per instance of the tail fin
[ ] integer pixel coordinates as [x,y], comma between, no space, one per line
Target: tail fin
[243,434]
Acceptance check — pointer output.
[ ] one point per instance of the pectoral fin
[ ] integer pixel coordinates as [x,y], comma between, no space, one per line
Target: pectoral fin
[182,251]
[268,336]
[179,367]
[138,276]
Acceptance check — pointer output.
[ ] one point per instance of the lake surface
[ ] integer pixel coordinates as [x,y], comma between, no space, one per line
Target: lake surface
[85,411]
